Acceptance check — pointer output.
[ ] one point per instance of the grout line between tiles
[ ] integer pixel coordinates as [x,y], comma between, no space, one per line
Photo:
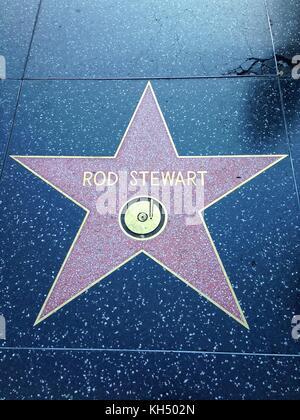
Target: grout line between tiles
[32,37]
[6,151]
[146,351]
[144,78]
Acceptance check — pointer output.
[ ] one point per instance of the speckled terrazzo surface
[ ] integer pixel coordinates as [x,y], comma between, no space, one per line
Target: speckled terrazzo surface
[16,27]
[142,333]
[137,38]
[8,100]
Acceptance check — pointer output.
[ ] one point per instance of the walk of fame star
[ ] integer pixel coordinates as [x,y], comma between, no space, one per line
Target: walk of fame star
[186,251]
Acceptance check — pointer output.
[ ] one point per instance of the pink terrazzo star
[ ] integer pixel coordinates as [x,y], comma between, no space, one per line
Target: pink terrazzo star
[186,251]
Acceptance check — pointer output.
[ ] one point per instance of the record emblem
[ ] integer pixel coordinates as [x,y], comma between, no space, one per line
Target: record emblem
[143,218]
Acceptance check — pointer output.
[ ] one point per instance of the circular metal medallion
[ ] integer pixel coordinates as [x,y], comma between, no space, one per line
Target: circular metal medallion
[143,218]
